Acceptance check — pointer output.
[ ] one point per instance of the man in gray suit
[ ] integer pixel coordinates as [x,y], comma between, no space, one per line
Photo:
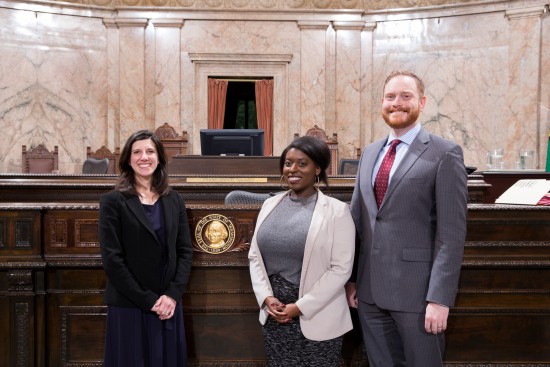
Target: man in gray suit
[411,241]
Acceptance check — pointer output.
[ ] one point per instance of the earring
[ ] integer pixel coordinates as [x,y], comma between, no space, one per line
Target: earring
[317,182]
[283,182]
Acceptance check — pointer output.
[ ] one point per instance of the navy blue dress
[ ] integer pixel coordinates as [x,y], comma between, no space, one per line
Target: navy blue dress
[135,338]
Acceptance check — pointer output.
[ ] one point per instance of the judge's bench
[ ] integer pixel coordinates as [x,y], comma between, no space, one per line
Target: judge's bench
[52,281]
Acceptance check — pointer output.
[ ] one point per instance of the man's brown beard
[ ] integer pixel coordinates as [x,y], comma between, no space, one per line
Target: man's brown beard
[411,118]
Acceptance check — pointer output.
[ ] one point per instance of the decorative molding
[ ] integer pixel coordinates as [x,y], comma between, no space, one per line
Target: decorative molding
[348,26]
[56,262]
[22,336]
[506,291]
[222,291]
[232,58]
[131,22]
[58,232]
[3,232]
[507,244]
[110,23]
[22,264]
[369,26]
[222,263]
[20,280]
[531,12]
[273,5]
[79,225]
[503,207]
[313,25]
[505,263]
[167,23]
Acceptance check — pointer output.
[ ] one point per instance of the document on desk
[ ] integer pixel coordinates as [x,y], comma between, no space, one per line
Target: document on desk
[526,192]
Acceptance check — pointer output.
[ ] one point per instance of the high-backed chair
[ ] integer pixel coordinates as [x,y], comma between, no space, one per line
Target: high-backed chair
[245,198]
[173,143]
[103,153]
[39,159]
[332,145]
[93,166]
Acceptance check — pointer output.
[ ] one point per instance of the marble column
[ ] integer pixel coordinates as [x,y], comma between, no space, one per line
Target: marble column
[112,133]
[544,107]
[365,134]
[167,90]
[348,86]
[523,97]
[312,74]
[132,82]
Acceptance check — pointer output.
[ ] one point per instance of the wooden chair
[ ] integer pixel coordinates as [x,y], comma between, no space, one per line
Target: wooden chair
[332,145]
[39,159]
[173,143]
[103,153]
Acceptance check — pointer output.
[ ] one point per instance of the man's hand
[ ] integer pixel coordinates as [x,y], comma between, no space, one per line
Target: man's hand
[436,318]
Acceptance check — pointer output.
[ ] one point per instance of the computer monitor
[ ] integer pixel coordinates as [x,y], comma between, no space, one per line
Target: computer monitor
[232,142]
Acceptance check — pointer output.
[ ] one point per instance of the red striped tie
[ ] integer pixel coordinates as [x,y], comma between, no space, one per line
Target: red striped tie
[383,175]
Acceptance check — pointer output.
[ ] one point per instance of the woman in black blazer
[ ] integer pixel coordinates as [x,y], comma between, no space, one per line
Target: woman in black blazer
[146,252]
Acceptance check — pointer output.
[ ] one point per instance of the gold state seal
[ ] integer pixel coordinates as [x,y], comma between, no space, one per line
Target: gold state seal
[215,233]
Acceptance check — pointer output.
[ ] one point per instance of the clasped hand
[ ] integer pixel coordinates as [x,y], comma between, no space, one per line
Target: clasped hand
[164,307]
[280,312]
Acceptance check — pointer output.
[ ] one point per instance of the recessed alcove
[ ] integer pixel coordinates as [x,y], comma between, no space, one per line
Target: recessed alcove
[243,66]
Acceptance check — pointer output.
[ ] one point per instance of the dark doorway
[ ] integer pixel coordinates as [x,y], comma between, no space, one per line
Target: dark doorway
[240,106]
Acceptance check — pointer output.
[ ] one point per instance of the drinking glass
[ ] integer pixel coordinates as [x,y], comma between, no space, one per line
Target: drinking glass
[527,159]
[495,159]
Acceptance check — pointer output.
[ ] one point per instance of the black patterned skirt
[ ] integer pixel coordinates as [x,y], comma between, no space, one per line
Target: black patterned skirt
[285,345]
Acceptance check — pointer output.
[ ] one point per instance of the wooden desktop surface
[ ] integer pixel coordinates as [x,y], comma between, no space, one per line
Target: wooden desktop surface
[501,181]
[218,165]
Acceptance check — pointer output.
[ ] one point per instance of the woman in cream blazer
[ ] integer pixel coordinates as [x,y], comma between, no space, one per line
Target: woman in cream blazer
[321,309]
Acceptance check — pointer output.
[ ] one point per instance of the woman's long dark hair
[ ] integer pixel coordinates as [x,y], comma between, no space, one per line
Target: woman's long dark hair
[127,179]
[316,149]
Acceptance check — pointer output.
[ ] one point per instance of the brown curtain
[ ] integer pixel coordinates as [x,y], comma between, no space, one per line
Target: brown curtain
[217,92]
[264,109]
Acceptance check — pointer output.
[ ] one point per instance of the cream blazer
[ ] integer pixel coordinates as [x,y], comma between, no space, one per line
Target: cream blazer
[327,265]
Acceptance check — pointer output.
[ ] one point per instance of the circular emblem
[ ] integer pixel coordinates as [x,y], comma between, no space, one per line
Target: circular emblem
[215,233]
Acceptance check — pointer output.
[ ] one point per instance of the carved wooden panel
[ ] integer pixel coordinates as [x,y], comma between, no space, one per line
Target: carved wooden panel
[71,231]
[20,227]
[3,232]
[82,335]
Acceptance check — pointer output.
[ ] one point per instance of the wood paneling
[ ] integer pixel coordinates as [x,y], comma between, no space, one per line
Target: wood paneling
[51,288]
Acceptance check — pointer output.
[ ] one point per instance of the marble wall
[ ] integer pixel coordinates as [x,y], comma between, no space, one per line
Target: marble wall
[76,75]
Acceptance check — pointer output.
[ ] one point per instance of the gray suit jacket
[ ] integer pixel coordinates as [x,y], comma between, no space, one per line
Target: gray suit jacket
[410,250]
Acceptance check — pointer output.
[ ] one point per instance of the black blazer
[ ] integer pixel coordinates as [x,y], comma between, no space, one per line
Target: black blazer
[131,252]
